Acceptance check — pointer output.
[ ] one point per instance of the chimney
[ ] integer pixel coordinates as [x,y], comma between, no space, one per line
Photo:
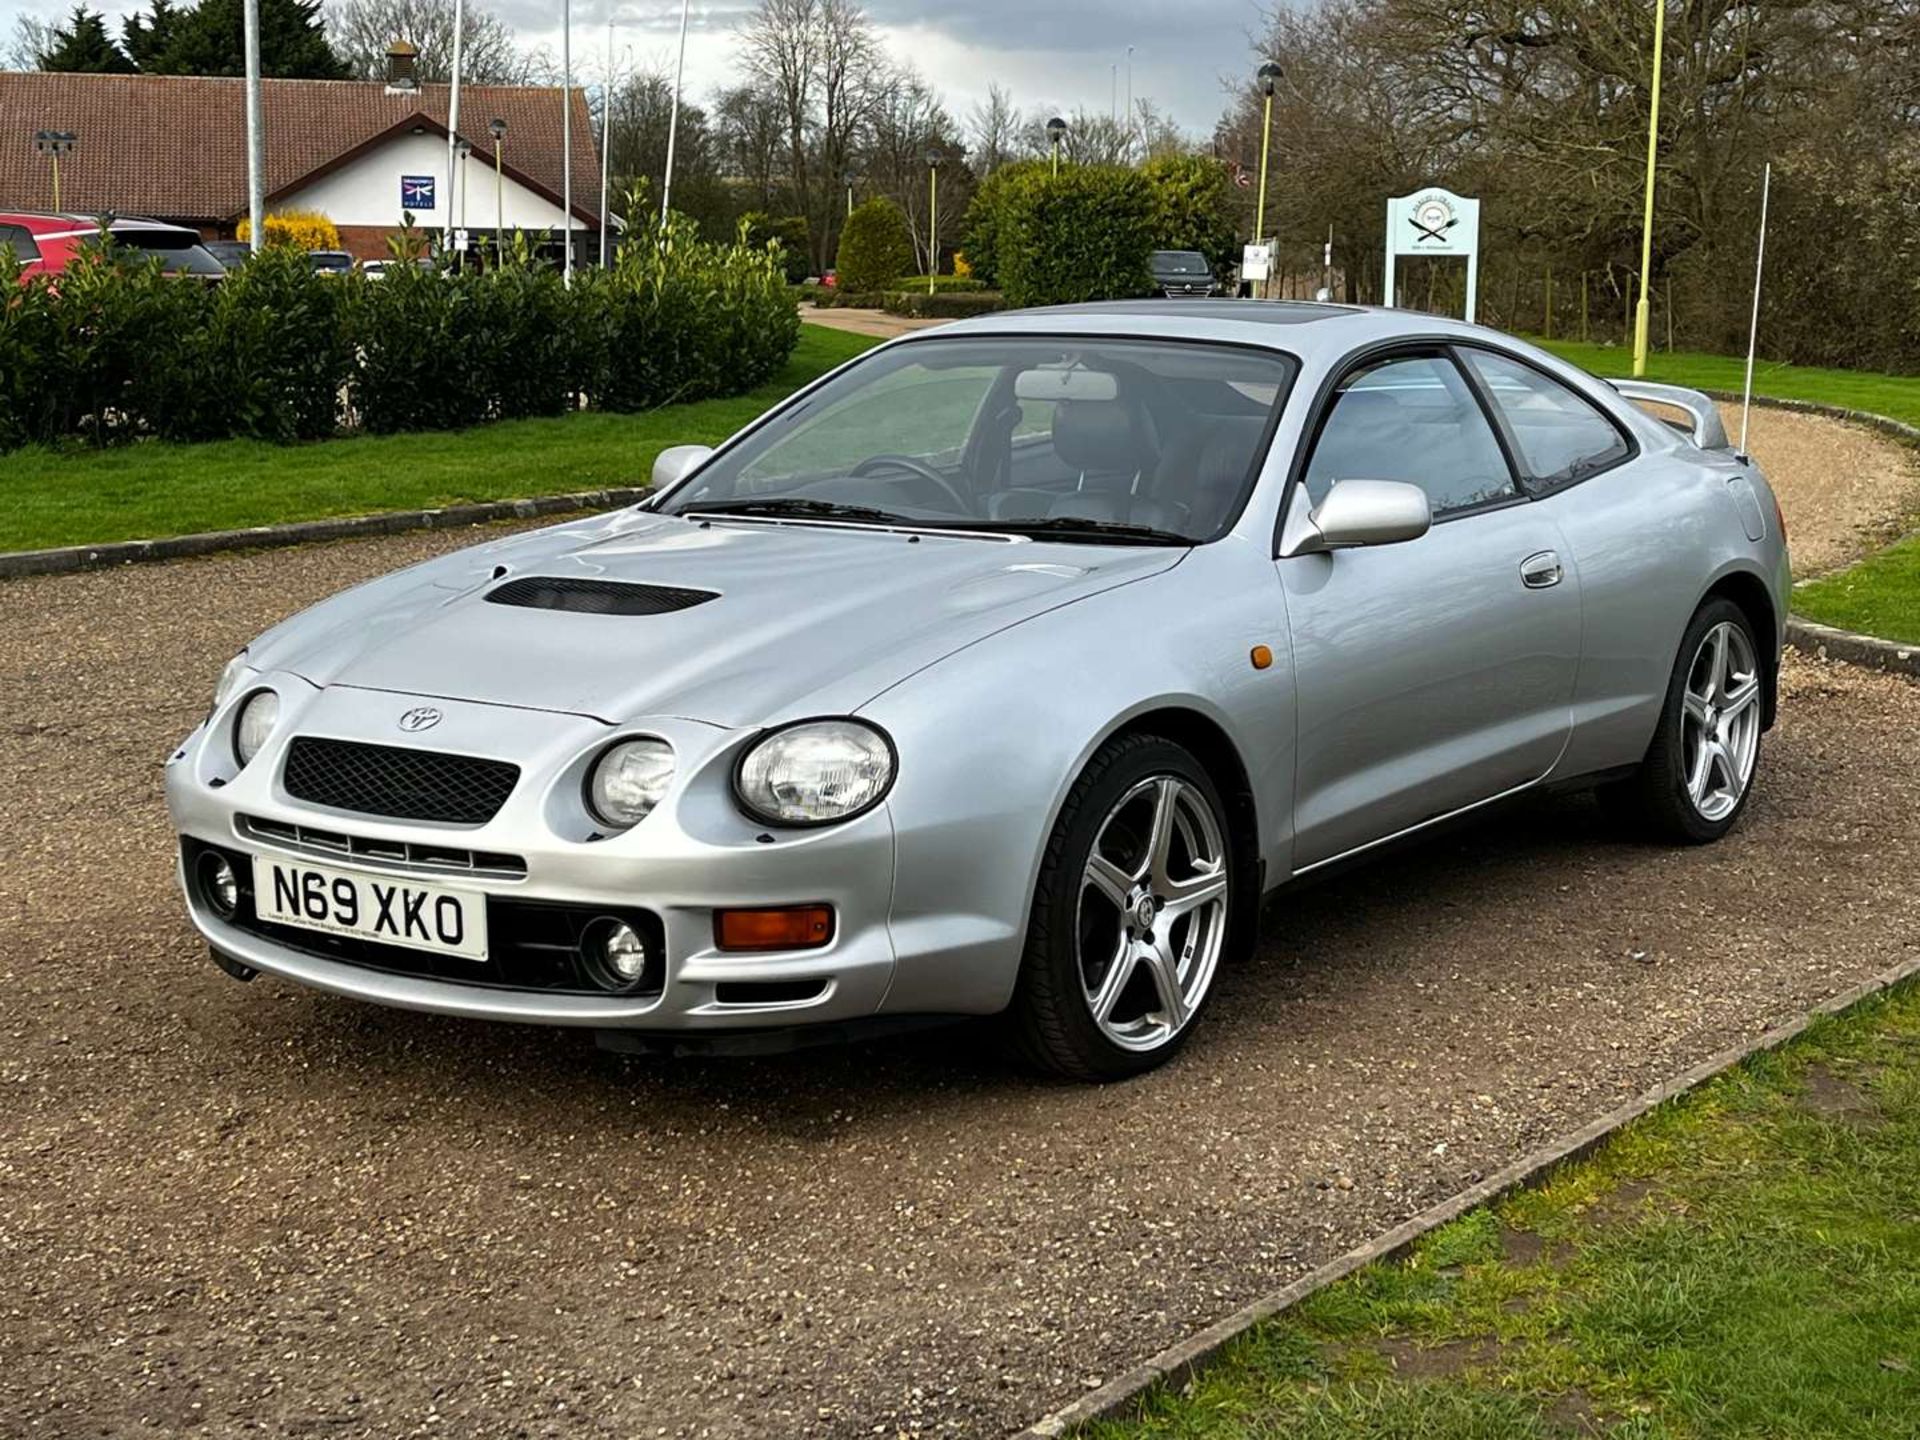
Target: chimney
[401,59]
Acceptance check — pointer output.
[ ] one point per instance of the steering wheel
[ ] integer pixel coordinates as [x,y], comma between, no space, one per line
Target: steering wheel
[917,467]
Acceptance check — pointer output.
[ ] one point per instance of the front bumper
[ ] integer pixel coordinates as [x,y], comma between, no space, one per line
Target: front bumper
[692,856]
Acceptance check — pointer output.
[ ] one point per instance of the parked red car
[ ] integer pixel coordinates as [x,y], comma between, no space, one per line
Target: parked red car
[48,243]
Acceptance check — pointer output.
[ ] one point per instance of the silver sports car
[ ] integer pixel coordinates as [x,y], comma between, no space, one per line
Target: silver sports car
[1003,670]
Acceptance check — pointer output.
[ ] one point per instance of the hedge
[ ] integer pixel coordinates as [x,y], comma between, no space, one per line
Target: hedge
[875,247]
[1084,234]
[951,305]
[113,350]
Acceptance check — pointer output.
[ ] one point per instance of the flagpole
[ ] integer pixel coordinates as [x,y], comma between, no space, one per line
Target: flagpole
[606,142]
[673,118]
[453,113]
[566,136]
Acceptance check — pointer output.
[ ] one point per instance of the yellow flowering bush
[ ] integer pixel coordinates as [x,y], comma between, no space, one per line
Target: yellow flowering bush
[302,229]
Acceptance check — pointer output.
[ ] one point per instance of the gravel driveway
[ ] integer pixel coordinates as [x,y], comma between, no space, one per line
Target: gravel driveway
[232,1209]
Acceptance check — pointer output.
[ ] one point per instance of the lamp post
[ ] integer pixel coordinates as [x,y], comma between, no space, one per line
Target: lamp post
[1270,74]
[934,157]
[453,116]
[1129,131]
[849,179]
[1056,133]
[497,128]
[1642,310]
[566,136]
[53,144]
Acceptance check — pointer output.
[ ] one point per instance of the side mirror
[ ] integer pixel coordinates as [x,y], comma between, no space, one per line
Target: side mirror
[1358,512]
[677,462]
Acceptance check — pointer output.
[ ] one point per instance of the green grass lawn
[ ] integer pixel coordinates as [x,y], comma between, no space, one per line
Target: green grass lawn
[1879,596]
[71,497]
[1743,1263]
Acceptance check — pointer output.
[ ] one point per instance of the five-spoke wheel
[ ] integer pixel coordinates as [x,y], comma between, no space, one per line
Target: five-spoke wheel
[1132,915]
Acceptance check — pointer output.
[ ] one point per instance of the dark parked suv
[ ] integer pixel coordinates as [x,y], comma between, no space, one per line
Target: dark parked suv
[1179,273]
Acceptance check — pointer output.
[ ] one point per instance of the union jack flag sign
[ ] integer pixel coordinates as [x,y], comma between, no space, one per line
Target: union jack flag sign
[416,192]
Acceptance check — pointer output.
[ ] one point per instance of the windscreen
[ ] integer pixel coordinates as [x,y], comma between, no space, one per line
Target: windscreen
[1079,437]
[1179,262]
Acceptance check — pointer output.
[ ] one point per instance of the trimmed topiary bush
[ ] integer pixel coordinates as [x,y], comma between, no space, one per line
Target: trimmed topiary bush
[984,217]
[1084,234]
[1193,206]
[948,305]
[875,248]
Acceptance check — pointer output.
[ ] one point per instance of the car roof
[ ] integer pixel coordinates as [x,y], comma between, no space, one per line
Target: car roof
[47,222]
[1308,329]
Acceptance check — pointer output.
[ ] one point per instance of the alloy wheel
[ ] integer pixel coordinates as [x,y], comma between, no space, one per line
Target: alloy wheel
[1152,913]
[1720,721]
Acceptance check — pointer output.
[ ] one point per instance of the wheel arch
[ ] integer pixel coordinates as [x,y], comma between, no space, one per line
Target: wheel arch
[1749,592]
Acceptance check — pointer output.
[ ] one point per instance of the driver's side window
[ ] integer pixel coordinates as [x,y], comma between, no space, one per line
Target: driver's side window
[917,412]
[1412,419]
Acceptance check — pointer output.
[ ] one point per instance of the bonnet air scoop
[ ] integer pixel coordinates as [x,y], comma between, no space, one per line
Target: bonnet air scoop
[595,597]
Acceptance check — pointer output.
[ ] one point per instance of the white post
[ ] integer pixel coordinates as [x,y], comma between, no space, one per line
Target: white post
[1753,327]
[256,142]
[1129,102]
[1473,284]
[606,141]
[566,137]
[453,116]
[673,116]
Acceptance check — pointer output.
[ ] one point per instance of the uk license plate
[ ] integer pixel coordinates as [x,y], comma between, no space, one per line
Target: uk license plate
[366,907]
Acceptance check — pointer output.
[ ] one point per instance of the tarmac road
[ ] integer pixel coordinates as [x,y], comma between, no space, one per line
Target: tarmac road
[230,1210]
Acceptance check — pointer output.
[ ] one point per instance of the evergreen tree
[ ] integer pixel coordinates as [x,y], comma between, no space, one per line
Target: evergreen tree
[208,40]
[82,45]
[146,37]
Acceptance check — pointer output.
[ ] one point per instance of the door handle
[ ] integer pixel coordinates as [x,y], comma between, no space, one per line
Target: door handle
[1542,571]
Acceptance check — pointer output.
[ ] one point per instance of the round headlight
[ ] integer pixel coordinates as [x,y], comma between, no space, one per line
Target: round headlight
[815,772]
[259,713]
[628,781]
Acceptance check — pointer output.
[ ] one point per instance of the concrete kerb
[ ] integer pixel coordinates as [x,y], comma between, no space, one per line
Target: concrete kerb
[69,558]
[1182,1361]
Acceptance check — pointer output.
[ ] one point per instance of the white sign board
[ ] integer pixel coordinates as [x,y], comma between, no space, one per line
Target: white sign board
[460,241]
[1256,261]
[1435,222]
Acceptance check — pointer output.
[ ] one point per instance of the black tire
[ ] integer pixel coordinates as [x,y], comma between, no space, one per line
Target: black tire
[1653,802]
[1049,1023]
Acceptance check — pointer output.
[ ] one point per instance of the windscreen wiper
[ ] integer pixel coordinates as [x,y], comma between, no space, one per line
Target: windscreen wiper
[796,506]
[1066,526]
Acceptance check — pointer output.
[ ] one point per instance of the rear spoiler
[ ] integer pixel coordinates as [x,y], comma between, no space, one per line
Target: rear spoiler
[1705,428]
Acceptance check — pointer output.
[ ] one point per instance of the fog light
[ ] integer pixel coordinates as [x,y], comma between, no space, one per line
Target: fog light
[803,927]
[218,885]
[616,952]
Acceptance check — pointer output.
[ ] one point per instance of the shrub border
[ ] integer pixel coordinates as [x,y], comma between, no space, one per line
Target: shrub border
[1180,1362]
[67,559]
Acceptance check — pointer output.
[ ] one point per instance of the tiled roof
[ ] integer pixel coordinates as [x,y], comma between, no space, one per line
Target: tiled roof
[176,145]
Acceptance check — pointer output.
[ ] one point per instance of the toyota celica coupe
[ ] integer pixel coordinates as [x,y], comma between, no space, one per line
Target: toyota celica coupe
[1005,669]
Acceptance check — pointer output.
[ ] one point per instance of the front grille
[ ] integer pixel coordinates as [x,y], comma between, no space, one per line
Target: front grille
[388,854]
[397,782]
[530,946]
[596,597]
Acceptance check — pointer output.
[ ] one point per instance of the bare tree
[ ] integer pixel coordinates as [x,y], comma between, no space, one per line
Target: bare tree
[994,128]
[32,38]
[361,31]
[751,140]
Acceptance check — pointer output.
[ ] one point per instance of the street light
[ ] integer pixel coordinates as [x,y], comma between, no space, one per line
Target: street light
[1056,133]
[1270,74]
[53,144]
[497,128]
[934,157]
[1641,311]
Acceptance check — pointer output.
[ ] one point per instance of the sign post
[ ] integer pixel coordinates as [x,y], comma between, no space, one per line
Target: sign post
[1435,222]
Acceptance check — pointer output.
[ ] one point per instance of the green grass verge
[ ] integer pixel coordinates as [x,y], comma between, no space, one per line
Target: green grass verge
[1743,1263]
[1879,596]
[75,497]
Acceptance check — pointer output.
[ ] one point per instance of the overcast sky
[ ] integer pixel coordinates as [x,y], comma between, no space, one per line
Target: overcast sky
[1052,54]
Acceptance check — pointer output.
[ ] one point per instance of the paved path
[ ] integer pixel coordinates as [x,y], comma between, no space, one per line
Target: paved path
[867,322]
[232,1209]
